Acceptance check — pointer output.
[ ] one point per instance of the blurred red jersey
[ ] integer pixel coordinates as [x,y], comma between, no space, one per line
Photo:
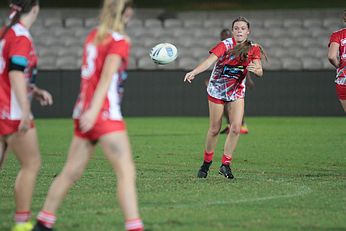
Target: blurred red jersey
[339,37]
[93,60]
[17,45]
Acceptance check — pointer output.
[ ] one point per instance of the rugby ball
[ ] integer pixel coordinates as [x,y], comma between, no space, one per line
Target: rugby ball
[163,53]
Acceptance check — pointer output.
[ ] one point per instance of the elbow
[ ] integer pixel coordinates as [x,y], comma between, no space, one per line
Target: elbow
[259,73]
[332,58]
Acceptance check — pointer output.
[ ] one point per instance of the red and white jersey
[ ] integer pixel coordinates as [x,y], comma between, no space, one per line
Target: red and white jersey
[93,60]
[18,44]
[227,81]
[339,37]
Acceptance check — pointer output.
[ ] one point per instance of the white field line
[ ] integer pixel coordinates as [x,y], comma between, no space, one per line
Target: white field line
[302,190]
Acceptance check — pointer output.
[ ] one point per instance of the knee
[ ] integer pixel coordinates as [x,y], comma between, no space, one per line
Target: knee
[71,176]
[33,165]
[214,130]
[235,128]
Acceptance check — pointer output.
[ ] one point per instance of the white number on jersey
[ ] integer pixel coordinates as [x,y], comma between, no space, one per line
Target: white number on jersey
[88,69]
[2,60]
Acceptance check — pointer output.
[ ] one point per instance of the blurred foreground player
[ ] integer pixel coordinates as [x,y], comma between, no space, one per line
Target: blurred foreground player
[98,119]
[18,62]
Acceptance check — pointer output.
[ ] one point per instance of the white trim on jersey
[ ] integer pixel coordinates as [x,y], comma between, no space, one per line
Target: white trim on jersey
[117,37]
[20,30]
[228,43]
[16,111]
[114,99]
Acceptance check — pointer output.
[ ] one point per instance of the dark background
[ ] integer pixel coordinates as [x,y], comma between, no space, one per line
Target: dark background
[163,93]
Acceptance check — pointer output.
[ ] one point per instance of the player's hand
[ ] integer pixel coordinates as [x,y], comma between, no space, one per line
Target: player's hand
[24,125]
[87,121]
[189,76]
[43,96]
[252,67]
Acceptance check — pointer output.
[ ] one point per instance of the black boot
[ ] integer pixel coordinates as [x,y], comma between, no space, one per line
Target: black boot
[226,171]
[203,171]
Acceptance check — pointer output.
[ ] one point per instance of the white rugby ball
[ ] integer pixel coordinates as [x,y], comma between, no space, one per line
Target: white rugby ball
[163,53]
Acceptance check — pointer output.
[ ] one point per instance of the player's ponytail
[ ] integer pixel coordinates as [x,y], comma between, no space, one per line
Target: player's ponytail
[111,17]
[18,8]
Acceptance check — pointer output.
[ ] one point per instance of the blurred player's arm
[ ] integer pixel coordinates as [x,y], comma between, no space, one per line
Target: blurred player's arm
[256,67]
[110,66]
[333,54]
[42,96]
[203,66]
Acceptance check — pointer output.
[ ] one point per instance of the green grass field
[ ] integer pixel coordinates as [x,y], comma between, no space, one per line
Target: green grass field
[290,175]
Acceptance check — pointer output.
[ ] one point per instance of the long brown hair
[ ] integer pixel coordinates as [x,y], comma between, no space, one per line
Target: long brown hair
[18,8]
[241,50]
[111,17]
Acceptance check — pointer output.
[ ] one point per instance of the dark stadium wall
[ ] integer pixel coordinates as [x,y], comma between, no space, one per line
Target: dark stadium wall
[163,93]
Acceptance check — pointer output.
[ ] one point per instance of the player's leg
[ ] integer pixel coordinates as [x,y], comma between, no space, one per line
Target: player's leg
[226,129]
[116,147]
[236,112]
[3,150]
[25,148]
[215,121]
[79,155]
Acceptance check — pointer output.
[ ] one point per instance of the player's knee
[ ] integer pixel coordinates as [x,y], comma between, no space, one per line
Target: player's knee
[33,165]
[72,176]
[214,130]
[235,128]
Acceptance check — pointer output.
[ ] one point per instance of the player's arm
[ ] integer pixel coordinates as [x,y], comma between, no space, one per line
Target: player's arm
[41,95]
[201,67]
[110,66]
[333,54]
[256,67]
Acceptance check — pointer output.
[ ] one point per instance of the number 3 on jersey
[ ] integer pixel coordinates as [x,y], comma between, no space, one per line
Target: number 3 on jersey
[88,68]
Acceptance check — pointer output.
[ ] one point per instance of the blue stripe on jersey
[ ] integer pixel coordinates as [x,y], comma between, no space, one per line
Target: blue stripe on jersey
[19,60]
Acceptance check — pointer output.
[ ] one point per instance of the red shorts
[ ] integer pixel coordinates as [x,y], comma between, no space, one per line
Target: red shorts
[217,101]
[341,91]
[8,127]
[101,128]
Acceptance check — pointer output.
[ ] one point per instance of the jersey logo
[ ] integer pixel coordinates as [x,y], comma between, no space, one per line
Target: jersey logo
[233,72]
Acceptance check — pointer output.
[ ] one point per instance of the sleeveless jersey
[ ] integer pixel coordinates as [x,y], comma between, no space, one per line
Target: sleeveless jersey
[16,45]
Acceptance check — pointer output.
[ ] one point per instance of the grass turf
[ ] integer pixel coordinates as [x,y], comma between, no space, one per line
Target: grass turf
[290,175]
